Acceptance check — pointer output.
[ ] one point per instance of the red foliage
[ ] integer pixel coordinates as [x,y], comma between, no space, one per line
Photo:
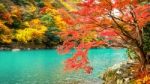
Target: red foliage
[108,32]
[7,16]
[86,3]
[66,17]
[79,59]
[44,9]
[142,14]
[100,17]
[65,48]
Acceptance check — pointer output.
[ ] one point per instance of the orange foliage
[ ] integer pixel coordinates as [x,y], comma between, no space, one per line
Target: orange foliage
[106,18]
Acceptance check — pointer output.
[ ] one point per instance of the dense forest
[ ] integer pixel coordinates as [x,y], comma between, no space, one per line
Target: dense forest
[30,23]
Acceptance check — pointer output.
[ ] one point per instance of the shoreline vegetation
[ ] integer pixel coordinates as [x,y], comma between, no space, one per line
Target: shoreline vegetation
[39,46]
[125,73]
[25,47]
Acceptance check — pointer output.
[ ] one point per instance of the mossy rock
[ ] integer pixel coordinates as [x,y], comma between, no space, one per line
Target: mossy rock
[121,74]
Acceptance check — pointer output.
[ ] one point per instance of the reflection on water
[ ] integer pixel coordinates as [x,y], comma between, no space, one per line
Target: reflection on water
[46,66]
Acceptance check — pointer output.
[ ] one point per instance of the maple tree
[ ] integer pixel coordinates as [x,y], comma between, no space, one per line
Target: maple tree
[113,23]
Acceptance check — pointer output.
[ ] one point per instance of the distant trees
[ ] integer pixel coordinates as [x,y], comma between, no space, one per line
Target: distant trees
[26,21]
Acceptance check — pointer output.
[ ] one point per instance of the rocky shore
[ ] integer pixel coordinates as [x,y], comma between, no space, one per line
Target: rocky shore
[120,73]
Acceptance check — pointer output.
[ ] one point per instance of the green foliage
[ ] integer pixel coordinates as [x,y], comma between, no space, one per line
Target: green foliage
[51,38]
[16,24]
[131,54]
[146,37]
[40,3]
[56,5]
[21,2]
[2,7]
[47,20]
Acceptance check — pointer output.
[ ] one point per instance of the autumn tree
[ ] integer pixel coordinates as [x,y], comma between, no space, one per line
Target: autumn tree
[113,23]
[30,21]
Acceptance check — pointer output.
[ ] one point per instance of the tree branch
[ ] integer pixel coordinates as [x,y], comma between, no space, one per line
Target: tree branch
[139,35]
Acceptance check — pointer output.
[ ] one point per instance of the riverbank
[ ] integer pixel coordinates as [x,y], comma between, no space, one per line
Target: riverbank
[129,72]
[25,47]
[39,46]
[119,73]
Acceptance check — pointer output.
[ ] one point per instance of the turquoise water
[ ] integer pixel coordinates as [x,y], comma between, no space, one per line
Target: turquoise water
[46,66]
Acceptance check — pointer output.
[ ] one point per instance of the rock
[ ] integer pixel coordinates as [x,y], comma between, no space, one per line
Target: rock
[126,80]
[15,49]
[124,75]
[131,61]
[119,73]
[28,49]
[119,81]
[116,66]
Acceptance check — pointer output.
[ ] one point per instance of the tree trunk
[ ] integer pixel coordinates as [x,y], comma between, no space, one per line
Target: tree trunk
[142,56]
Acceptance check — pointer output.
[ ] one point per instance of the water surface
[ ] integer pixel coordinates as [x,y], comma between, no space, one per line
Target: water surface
[46,66]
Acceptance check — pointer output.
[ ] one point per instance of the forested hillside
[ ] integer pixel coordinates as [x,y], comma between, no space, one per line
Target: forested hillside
[30,23]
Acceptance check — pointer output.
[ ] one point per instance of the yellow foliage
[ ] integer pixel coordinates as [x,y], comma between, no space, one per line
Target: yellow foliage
[28,34]
[35,21]
[2,6]
[60,23]
[68,5]
[35,30]
[15,11]
[145,80]
[6,33]
[31,8]
[6,38]
[89,37]
[48,3]
[58,19]
[28,30]
[55,14]
[26,23]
